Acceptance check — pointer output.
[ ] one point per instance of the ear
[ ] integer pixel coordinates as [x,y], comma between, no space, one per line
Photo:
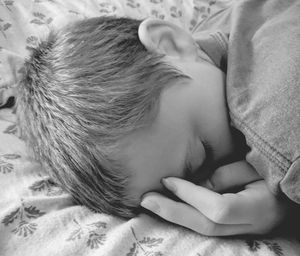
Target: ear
[166,38]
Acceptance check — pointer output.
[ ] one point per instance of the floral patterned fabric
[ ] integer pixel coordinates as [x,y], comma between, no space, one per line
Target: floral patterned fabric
[37,217]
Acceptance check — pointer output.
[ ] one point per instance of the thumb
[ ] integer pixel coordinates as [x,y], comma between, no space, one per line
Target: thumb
[230,176]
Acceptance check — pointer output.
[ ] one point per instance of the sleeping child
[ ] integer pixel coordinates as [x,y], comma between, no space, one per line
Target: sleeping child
[110,106]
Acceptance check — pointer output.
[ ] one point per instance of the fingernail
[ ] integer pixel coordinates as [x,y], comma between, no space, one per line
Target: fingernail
[150,205]
[169,184]
[205,184]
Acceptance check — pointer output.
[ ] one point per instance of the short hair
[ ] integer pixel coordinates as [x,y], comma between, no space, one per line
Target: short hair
[83,89]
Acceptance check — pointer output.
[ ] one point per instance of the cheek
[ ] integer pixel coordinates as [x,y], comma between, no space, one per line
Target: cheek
[144,181]
[150,167]
[198,154]
[150,162]
[148,176]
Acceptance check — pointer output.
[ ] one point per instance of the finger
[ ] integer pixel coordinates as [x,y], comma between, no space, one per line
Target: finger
[189,217]
[223,209]
[232,175]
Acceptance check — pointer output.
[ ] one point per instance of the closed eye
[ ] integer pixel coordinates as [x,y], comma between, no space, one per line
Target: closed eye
[205,168]
[209,152]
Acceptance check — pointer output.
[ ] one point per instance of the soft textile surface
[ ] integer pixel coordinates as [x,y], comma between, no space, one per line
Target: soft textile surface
[36,217]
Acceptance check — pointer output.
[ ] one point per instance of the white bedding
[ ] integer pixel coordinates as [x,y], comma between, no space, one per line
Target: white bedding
[38,218]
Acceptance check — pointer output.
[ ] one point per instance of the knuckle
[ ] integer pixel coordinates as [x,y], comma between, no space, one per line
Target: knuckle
[207,229]
[222,211]
[208,183]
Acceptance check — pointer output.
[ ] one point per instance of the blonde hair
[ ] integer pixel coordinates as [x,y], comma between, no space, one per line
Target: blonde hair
[84,88]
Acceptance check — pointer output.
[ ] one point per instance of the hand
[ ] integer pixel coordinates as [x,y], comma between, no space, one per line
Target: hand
[253,210]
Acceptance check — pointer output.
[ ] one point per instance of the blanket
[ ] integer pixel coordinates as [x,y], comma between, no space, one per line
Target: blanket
[37,217]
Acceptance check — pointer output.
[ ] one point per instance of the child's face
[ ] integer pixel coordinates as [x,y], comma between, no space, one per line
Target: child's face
[189,114]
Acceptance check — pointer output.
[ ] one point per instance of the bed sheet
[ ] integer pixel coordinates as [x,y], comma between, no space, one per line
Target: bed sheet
[37,217]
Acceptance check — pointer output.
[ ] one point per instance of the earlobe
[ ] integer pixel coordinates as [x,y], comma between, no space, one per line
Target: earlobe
[166,38]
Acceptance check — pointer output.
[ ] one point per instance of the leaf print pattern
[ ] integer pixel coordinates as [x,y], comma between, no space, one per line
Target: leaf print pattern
[200,11]
[46,186]
[133,250]
[175,12]
[157,14]
[255,245]
[8,219]
[145,245]
[6,167]
[41,1]
[151,242]
[7,4]
[107,8]
[31,42]
[74,12]
[11,156]
[25,227]
[95,240]
[32,212]
[93,232]
[132,3]
[156,1]
[77,13]
[76,234]
[11,129]
[4,27]
[274,247]
[41,19]
[212,2]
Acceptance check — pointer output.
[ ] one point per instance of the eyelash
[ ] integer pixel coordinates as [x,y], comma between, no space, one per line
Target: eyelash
[188,166]
[209,151]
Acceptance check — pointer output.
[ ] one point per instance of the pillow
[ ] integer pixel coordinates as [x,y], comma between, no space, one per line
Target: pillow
[36,216]
[24,23]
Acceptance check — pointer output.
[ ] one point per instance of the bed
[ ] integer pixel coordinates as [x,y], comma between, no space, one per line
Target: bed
[36,216]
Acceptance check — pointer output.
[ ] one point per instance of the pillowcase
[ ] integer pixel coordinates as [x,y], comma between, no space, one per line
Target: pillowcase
[24,23]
